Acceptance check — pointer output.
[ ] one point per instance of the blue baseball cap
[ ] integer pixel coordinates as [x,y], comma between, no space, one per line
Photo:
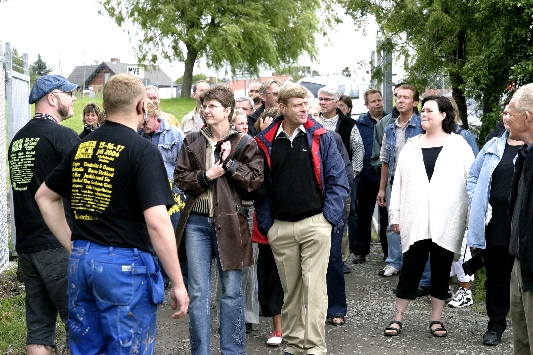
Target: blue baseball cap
[48,83]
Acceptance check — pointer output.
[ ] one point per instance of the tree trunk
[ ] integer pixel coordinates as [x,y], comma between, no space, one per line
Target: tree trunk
[457,80]
[190,60]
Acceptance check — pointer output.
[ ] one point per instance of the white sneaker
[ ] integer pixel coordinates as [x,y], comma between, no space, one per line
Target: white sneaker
[462,298]
[388,270]
[274,339]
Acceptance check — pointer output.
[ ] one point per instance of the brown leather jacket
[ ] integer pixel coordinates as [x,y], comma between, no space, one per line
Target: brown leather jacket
[246,172]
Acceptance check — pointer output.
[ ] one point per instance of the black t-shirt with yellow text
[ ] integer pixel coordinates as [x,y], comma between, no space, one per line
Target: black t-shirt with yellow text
[111,177]
[35,151]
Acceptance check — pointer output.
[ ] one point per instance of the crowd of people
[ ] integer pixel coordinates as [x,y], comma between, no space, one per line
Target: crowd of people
[272,200]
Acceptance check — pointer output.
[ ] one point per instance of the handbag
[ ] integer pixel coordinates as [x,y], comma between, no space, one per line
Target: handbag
[475,263]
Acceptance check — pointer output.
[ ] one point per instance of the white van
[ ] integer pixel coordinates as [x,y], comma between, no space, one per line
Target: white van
[345,86]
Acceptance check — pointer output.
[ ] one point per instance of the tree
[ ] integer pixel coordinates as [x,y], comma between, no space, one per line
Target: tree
[195,78]
[39,67]
[470,40]
[242,35]
[346,72]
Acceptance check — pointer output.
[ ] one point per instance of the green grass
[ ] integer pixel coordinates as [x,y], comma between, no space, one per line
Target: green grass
[13,315]
[178,107]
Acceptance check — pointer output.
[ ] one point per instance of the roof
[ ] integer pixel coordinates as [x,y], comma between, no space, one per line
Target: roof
[86,73]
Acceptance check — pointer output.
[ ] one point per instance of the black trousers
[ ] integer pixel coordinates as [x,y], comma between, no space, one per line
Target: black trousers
[366,201]
[414,262]
[271,293]
[498,266]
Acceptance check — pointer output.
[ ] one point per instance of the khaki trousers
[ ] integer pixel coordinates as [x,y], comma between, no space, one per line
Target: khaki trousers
[521,314]
[301,250]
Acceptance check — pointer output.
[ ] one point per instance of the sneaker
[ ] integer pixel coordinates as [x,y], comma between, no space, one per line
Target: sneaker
[450,292]
[274,339]
[462,298]
[388,270]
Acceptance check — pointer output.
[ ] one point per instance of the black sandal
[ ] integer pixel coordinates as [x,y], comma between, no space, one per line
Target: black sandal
[397,330]
[440,329]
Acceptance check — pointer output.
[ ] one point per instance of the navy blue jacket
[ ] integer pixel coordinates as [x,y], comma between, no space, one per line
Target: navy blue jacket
[329,172]
[365,124]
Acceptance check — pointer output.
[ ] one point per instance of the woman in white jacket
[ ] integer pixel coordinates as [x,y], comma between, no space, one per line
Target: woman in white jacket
[428,208]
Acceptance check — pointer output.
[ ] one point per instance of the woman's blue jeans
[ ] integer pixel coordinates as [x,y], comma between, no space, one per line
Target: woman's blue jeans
[201,247]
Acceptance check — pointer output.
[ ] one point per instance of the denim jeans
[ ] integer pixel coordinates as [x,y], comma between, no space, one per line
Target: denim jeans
[426,275]
[113,296]
[395,257]
[201,247]
[335,279]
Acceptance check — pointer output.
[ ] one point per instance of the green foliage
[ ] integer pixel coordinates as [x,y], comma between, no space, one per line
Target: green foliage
[346,72]
[38,69]
[484,46]
[242,35]
[195,78]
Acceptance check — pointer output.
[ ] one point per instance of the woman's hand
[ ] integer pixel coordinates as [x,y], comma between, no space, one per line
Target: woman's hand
[215,171]
[225,149]
[395,228]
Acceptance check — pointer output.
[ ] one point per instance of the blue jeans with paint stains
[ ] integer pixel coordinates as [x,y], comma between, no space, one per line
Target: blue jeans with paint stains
[201,246]
[113,296]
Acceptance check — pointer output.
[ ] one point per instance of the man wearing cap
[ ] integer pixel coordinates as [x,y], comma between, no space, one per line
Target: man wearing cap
[34,152]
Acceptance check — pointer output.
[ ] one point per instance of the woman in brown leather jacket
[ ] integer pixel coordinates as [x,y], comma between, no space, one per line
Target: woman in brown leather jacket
[215,167]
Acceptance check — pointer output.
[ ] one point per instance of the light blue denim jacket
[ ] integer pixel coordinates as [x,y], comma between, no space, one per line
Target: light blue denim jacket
[169,145]
[414,128]
[478,188]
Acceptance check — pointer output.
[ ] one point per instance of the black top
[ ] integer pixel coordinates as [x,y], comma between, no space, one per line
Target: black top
[500,188]
[430,156]
[34,152]
[111,178]
[295,191]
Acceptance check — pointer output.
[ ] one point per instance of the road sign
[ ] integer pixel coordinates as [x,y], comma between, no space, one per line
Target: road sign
[136,70]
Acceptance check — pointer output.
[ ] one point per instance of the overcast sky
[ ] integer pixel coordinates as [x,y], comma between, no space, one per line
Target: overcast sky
[68,33]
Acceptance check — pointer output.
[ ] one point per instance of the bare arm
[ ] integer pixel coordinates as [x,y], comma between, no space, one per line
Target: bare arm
[51,207]
[162,237]
[383,184]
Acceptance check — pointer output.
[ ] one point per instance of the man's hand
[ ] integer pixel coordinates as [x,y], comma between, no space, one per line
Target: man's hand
[179,296]
[381,198]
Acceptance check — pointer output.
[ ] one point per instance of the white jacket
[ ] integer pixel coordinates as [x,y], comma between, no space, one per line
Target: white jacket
[435,210]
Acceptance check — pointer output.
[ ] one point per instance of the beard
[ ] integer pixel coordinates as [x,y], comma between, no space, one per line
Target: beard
[64,110]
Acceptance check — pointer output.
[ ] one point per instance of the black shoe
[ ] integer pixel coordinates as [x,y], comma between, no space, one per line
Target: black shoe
[249,328]
[346,269]
[492,337]
[422,291]
[359,259]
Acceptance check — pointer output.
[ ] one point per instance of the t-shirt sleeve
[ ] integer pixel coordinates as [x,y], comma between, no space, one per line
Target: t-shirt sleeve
[151,180]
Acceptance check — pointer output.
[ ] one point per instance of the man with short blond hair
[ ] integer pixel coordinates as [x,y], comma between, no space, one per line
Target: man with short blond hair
[193,121]
[307,189]
[119,194]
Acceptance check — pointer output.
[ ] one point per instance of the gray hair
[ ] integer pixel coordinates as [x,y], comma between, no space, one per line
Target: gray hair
[330,91]
[153,87]
[242,99]
[266,85]
[523,98]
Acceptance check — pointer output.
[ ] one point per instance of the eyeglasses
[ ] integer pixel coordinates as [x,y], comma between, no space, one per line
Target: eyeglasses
[273,93]
[327,99]
[62,92]
[210,107]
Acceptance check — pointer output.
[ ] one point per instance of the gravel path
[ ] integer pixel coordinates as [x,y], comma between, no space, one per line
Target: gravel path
[370,307]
